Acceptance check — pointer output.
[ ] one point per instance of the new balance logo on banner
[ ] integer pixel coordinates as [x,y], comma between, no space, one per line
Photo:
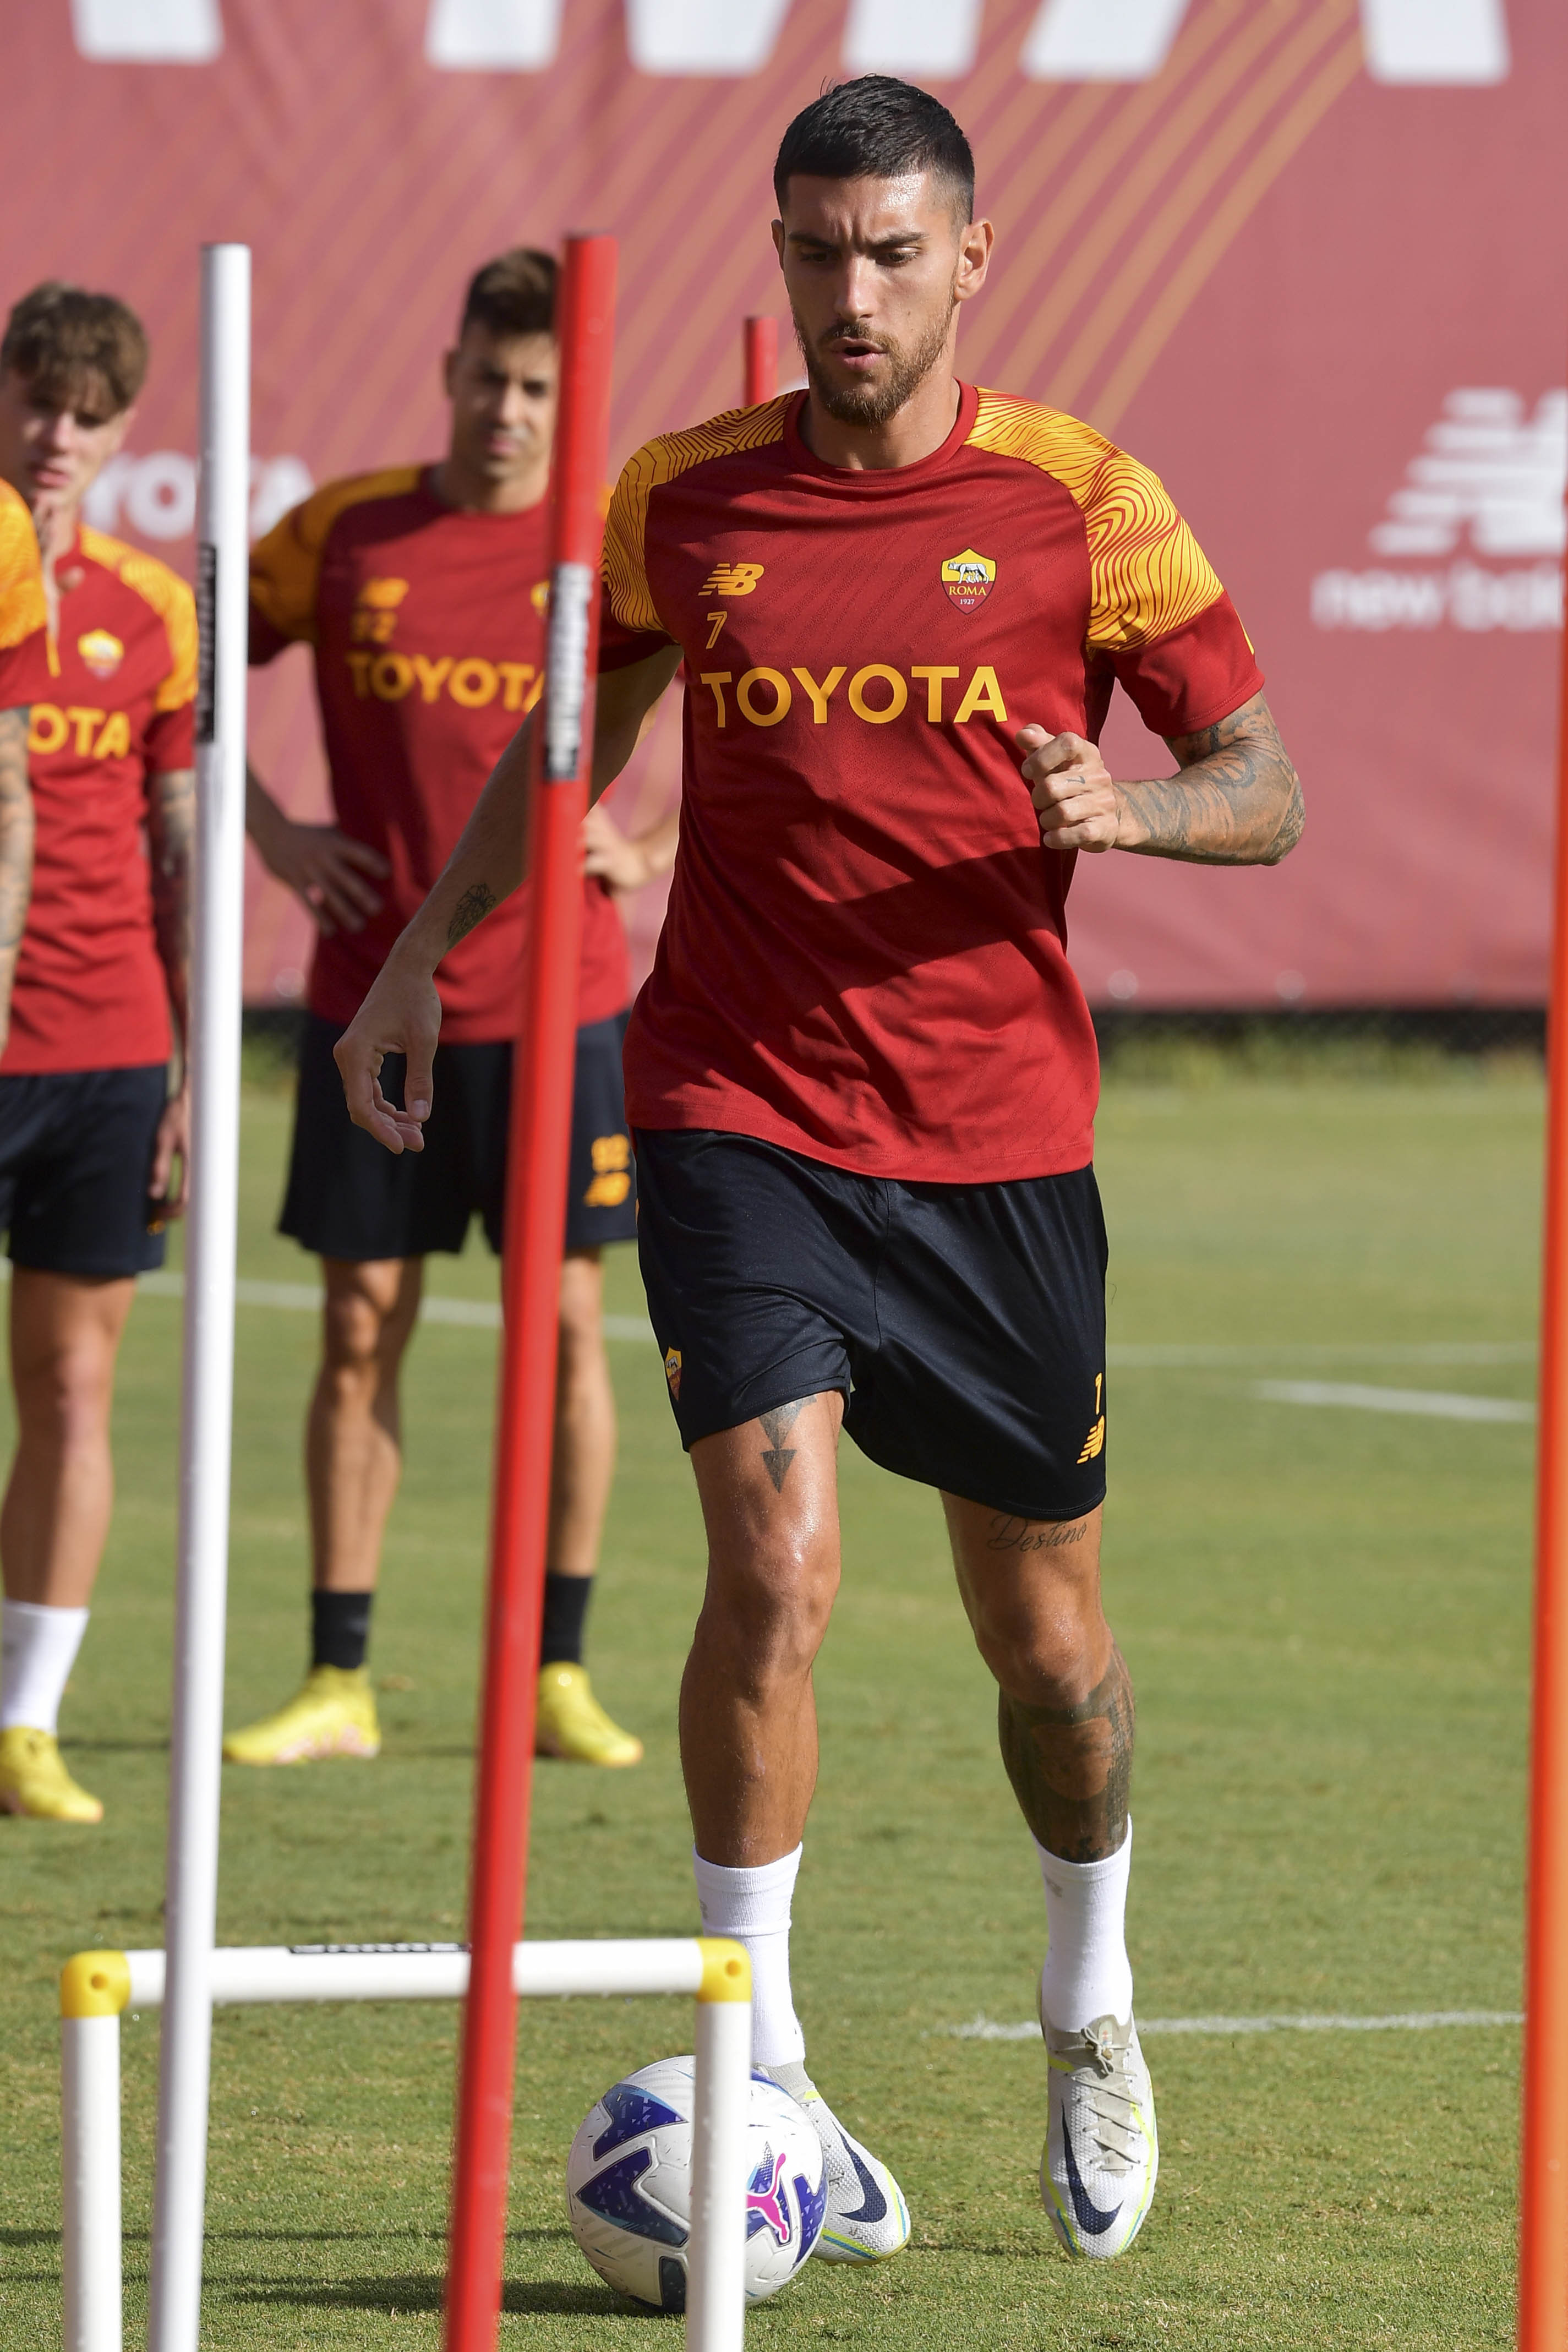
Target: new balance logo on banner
[1487,470]
[1488,481]
[1412,41]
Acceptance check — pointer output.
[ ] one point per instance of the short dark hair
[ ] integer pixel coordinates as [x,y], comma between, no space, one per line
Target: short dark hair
[877,128]
[513,295]
[59,339]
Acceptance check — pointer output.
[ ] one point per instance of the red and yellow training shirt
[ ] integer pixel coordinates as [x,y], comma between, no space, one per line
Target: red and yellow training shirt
[112,710]
[864,955]
[428,626]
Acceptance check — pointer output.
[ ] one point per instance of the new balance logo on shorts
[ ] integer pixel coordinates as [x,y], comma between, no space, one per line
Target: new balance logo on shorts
[1094,1444]
[612,1179]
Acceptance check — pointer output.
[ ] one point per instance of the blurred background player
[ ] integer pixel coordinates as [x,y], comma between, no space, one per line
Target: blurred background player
[422,591]
[90,1134]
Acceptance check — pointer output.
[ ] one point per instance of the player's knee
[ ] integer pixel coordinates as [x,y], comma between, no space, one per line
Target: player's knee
[64,1393]
[356,1332]
[1047,1650]
[770,1617]
[582,1341]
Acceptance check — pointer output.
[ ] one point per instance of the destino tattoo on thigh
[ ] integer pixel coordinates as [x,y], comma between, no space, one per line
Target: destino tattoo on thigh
[1006,1533]
[776,1425]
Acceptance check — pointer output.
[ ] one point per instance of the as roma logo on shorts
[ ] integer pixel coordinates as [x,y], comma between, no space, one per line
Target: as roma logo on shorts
[101,651]
[968,579]
[673,1372]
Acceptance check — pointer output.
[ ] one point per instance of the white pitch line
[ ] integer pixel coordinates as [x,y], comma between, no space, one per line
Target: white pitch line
[1438,1403]
[1420,2021]
[1161,1355]
[304,1298]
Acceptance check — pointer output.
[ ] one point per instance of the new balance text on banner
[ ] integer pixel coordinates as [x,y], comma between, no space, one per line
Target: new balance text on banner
[1305,257]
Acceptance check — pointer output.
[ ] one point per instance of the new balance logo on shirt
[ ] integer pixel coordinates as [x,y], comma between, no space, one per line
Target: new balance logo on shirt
[731,580]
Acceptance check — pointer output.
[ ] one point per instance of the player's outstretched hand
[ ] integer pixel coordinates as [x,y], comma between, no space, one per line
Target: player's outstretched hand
[1074,798]
[402,1015]
[335,876]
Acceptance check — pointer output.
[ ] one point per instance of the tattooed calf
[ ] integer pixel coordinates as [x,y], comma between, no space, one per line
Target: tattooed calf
[1071,1767]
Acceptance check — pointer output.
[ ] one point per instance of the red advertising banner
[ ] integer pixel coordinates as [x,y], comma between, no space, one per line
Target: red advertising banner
[1305,257]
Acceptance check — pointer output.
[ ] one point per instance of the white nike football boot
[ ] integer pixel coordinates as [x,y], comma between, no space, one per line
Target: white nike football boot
[867,2219]
[1101,2153]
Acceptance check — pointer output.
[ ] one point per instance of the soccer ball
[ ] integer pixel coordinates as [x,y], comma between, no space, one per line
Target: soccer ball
[629,2185]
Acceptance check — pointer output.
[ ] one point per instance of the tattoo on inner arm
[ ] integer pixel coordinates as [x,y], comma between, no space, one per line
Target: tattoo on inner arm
[173,814]
[469,912]
[776,1426]
[1071,1767]
[1236,801]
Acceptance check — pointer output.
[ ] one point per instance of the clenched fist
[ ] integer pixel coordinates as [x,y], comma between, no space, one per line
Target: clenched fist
[1077,805]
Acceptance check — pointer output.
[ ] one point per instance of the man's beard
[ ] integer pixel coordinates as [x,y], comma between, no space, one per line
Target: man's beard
[874,405]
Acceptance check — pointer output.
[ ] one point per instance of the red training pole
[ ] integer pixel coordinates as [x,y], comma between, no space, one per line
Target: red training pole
[530,1285]
[1543,2177]
[761,359]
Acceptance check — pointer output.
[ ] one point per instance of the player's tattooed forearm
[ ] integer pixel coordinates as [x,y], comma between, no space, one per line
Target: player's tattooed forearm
[1008,1534]
[16,830]
[1071,1767]
[776,1426]
[173,827]
[469,912]
[1237,800]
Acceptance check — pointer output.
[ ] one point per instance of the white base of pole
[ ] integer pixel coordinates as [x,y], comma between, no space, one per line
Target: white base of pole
[716,2264]
[89,2098]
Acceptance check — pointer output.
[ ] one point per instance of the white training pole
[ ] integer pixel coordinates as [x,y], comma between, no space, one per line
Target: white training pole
[90,2248]
[716,2274]
[207,1397]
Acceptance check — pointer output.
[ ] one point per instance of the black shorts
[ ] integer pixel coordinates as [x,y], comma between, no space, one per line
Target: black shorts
[964,1324]
[349,1198]
[76,1148]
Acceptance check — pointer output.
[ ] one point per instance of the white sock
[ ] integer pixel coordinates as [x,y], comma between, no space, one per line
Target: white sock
[38,1648]
[1087,1973]
[753,1905]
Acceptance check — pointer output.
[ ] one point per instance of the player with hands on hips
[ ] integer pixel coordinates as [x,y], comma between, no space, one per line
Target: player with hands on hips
[421,591]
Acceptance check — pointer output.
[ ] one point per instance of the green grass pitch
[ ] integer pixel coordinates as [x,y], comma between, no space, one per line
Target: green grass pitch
[1325,1613]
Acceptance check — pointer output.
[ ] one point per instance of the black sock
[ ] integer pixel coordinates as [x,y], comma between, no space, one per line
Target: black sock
[340,1628]
[566,1606]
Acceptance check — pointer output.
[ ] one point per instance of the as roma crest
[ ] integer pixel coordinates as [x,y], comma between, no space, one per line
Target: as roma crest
[101,651]
[968,579]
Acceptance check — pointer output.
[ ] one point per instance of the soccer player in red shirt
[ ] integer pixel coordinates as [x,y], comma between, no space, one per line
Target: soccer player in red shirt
[863,1076]
[422,592]
[88,1131]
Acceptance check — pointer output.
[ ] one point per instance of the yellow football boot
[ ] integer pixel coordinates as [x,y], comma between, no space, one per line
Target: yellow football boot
[34,1780]
[571,1722]
[333,1714]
